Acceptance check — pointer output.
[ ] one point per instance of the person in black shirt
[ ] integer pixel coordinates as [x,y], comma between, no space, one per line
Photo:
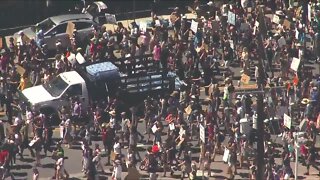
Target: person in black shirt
[153,164]
[311,159]
[9,110]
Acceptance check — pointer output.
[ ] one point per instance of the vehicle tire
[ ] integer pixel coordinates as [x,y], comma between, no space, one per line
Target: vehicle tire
[52,114]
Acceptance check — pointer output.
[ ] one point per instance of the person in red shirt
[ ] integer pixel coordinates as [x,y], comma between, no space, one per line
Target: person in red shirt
[4,156]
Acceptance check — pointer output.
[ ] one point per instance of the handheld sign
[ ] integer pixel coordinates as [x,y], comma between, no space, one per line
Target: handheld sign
[72,58]
[245,79]
[226,155]
[20,70]
[143,26]
[276,19]
[202,133]
[194,26]
[287,121]
[111,18]
[70,27]
[158,23]
[286,24]
[80,59]
[154,128]
[231,18]
[295,64]
[171,126]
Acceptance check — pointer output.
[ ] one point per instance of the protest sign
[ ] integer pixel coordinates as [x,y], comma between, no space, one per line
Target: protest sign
[111,18]
[298,11]
[256,24]
[154,128]
[194,26]
[226,153]
[171,126]
[72,59]
[231,44]
[297,34]
[157,22]
[295,64]
[276,19]
[231,18]
[286,24]
[80,59]
[202,133]
[245,79]
[20,70]
[309,13]
[188,110]
[70,27]
[143,26]
[287,121]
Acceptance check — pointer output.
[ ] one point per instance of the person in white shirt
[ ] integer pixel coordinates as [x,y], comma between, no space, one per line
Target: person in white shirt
[17,121]
[60,167]
[97,158]
[117,170]
[112,119]
[117,146]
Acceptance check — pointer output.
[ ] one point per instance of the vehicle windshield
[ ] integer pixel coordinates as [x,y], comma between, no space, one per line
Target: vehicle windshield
[46,25]
[56,86]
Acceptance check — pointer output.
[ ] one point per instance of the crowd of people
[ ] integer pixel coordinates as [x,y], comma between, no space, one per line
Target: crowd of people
[263,47]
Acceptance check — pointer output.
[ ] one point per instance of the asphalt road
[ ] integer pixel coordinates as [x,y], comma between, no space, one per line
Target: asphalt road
[23,169]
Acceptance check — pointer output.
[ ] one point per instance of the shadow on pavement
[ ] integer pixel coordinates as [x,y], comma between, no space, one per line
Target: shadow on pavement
[216,170]
[244,175]
[20,174]
[27,160]
[23,166]
[301,177]
[218,177]
[50,165]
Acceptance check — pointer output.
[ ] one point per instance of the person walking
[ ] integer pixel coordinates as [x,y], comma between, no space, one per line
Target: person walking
[60,167]
[117,170]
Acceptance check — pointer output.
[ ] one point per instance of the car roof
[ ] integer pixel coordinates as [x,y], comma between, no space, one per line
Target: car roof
[72,77]
[70,17]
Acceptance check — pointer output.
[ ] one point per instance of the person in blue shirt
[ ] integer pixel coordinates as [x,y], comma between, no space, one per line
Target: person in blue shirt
[40,37]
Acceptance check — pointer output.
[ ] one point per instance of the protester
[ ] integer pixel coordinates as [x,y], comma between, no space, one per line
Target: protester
[206,52]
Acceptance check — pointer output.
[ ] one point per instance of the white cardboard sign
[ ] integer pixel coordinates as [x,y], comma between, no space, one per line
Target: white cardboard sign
[80,59]
[202,133]
[231,18]
[143,26]
[295,64]
[194,26]
[276,19]
[171,126]
[287,121]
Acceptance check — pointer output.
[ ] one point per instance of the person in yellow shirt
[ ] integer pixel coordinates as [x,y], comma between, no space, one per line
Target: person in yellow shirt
[23,82]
